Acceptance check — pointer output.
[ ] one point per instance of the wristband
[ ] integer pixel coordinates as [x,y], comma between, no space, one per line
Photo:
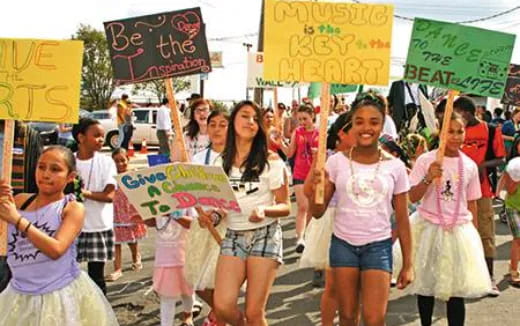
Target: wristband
[27,228]
[216,217]
[18,222]
[426,182]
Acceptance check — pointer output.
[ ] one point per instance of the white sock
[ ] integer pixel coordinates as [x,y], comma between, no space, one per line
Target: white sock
[187,302]
[167,311]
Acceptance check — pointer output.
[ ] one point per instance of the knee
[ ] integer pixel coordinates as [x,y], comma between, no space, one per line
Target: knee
[222,311]
[348,316]
[374,320]
[254,315]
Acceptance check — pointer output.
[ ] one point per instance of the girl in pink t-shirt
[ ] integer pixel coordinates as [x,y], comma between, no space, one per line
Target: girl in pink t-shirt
[304,142]
[168,276]
[368,185]
[448,258]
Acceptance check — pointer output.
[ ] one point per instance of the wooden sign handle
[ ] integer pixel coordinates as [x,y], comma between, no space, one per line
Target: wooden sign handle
[179,136]
[322,142]
[276,111]
[7,167]
[443,136]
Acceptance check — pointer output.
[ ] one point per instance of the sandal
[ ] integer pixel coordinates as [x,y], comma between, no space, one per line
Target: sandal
[114,276]
[136,267]
[514,278]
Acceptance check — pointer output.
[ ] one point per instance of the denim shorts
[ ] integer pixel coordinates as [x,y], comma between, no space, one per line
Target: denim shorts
[375,255]
[265,242]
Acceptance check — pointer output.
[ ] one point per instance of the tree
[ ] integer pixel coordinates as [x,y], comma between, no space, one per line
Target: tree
[159,89]
[97,82]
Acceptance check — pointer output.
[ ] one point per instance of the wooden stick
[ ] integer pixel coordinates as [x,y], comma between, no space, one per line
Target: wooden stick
[179,136]
[7,167]
[277,119]
[322,141]
[443,136]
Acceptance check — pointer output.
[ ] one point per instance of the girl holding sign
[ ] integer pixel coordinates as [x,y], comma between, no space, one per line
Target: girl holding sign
[252,249]
[368,184]
[48,286]
[201,249]
[448,259]
[196,131]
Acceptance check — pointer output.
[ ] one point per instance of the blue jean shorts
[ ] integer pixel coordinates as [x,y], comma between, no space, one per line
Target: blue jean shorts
[265,242]
[375,255]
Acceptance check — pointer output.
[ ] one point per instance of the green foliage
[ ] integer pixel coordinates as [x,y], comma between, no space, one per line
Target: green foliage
[97,77]
[158,88]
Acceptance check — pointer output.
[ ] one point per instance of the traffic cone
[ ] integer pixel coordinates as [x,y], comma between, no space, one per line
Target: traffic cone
[144,149]
[131,151]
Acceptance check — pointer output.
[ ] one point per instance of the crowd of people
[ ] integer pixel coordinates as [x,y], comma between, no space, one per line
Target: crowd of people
[394,212]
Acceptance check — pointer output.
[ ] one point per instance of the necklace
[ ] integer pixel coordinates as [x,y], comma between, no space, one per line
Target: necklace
[366,187]
[447,225]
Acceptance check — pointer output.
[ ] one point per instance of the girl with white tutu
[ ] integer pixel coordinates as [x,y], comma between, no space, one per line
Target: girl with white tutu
[48,287]
[448,259]
[319,231]
[202,251]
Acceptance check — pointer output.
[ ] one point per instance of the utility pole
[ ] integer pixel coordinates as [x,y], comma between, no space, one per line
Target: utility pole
[259,92]
[248,47]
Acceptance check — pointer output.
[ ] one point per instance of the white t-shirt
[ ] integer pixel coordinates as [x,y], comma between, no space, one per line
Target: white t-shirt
[389,128]
[164,121]
[197,144]
[200,157]
[253,194]
[97,173]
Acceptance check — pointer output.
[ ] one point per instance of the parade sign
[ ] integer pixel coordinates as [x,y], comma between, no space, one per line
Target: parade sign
[512,92]
[40,79]
[166,188]
[255,73]
[452,56]
[158,46]
[338,43]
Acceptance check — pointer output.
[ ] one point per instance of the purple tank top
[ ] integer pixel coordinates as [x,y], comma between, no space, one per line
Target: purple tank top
[33,272]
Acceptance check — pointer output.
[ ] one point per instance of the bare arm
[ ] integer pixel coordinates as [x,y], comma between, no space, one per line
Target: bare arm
[63,128]
[106,196]
[472,207]
[400,202]
[52,246]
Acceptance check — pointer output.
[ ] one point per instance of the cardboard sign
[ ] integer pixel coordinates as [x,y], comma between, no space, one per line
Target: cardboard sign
[158,46]
[167,188]
[452,56]
[255,73]
[327,42]
[40,79]
[315,89]
[512,91]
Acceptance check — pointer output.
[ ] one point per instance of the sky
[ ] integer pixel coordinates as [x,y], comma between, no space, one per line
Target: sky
[230,23]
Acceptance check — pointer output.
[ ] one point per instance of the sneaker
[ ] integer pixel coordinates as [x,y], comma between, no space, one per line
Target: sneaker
[300,246]
[317,279]
[495,292]
[393,282]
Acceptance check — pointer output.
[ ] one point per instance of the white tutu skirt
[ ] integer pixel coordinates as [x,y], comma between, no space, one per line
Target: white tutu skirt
[81,303]
[317,241]
[446,263]
[202,252]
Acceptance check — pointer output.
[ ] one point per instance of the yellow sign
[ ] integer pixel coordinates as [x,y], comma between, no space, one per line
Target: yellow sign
[327,42]
[40,79]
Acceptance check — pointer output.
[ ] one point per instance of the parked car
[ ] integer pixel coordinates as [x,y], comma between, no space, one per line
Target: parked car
[144,120]
[49,130]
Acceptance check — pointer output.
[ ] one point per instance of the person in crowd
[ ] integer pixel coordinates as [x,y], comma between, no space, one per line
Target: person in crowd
[252,248]
[449,261]
[125,229]
[164,127]
[98,172]
[510,129]
[484,144]
[124,121]
[196,131]
[369,185]
[48,286]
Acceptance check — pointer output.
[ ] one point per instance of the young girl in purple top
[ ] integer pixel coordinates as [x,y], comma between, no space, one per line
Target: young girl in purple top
[369,185]
[48,287]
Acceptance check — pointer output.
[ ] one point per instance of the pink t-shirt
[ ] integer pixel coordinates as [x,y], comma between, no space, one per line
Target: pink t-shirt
[305,142]
[170,241]
[449,192]
[364,202]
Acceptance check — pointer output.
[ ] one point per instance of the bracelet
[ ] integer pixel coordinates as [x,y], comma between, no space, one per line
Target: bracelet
[27,228]
[217,217]
[18,222]
[426,182]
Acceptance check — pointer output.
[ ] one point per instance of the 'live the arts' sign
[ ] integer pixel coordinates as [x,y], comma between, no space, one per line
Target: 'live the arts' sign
[158,46]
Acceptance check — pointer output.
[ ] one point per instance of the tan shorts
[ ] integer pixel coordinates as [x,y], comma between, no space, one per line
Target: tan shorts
[486,226]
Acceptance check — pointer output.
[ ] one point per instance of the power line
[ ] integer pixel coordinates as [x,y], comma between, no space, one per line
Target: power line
[502,13]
